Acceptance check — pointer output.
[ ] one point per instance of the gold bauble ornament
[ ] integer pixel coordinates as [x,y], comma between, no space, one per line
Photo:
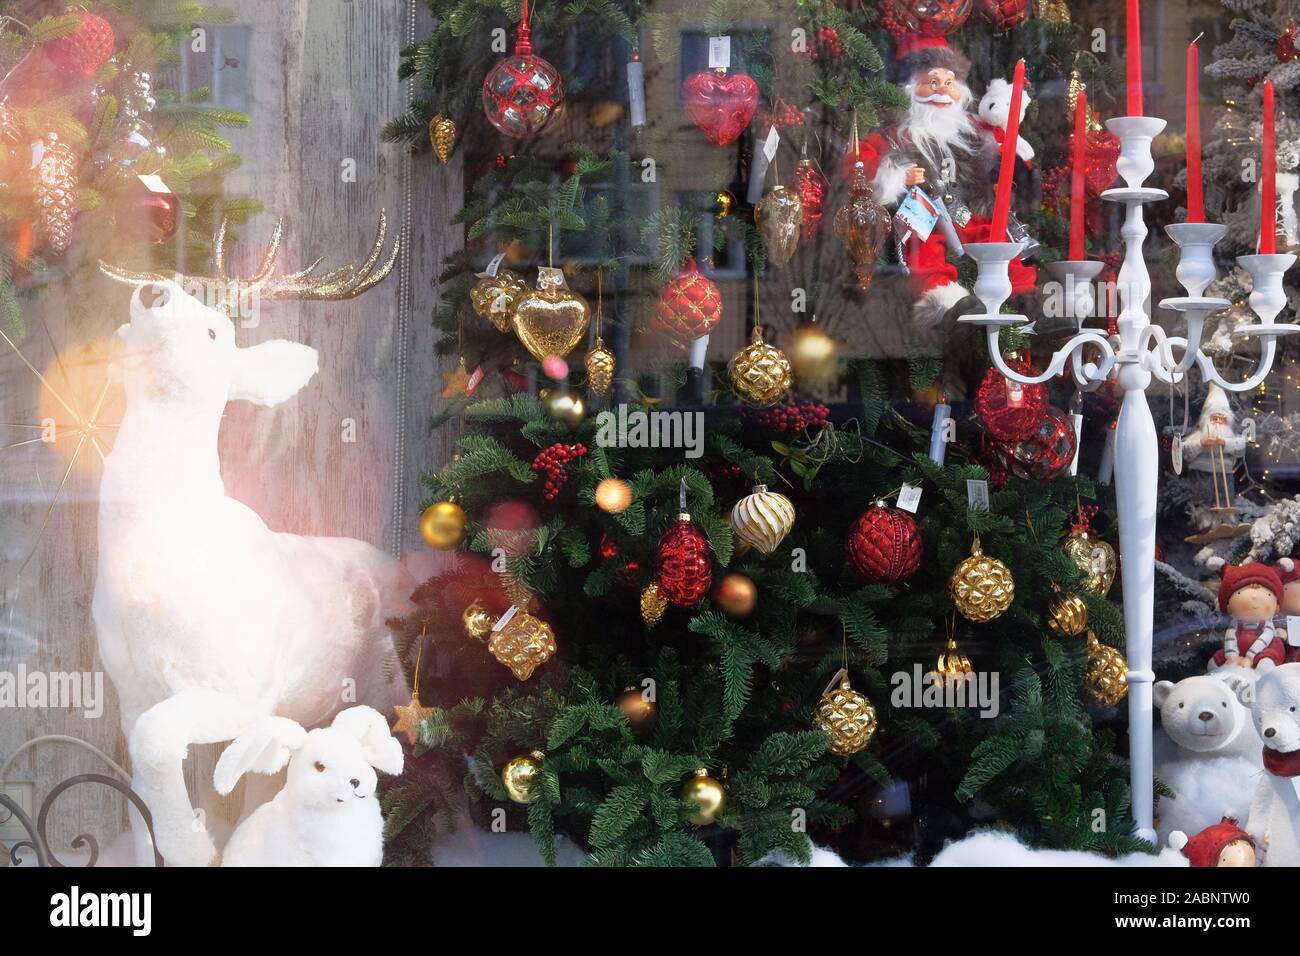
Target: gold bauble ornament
[981,587]
[443,525]
[1094,558]
[847,717]
[613,495]
[653,604]
[551,320]
[759,373]
[814,357]
[640,712]
[736,595]
[779,216]
[495,297]
[1067,615]
[952,663]
[565,405]
[478,622]
[1052,11]
[705,798]
[723,202]
[442,136]
[1106,682]
[523,643]
[763,519]
[519,777]
[600,367]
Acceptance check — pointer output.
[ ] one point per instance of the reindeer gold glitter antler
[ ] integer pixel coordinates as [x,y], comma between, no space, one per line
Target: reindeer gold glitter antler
[346,282]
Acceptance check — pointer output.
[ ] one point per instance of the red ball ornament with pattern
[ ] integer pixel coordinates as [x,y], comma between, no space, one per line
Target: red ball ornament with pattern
[1010,411]
[924,18]
[689,306]
[85,49]
[811,188]
[884,545]
[523,91]
[1005,14]
[1044,455]
[721,104]
[684,563]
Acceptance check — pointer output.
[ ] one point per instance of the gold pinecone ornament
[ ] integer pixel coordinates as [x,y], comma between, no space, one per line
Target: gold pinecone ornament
[759,373]
[1067,615]
[847,717]
[1106,682]
[763,519]
[56,191]
[1095,558]
[600,368]
[981,587]
[442,136]
[523,643]
[653,604]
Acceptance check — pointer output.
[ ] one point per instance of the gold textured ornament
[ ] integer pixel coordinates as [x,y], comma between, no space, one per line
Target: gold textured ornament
[478,622]
[639,710]
[600,367]
[443,525]
[862,225]
[952,664]
[705,798]
[1106,682]
[442,136]
[759,373]
[523,644]
[1052,11]
[519,776]
[1067,615]
[981,587]
[722,203]
[847,717]
[779,217]
[409,717]
[551,320]
[1094,558]
[56,191]
[653,604]
[762,519]
[495,297]
[613,495]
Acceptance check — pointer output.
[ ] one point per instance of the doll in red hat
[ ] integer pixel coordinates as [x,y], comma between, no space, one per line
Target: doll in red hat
[1289,574]
[1250,594]
[1221,844]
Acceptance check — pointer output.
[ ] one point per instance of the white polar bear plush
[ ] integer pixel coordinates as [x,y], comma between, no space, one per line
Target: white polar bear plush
[1218,754]
[1274,820]
[327,814]
[995,109]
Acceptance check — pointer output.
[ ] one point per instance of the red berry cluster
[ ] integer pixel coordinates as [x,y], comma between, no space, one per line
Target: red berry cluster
[827,44]
[793,416]
[553,461]
[782,115]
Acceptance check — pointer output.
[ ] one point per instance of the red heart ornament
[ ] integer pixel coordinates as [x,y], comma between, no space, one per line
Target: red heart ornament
[720,104]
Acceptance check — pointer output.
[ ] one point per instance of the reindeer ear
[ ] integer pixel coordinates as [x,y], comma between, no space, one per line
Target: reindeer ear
[378,745]
[272,372]
[264,749]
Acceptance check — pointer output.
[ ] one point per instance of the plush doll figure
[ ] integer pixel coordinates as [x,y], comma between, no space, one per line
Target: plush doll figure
[1250,594]
[1289,574]
[1222,844]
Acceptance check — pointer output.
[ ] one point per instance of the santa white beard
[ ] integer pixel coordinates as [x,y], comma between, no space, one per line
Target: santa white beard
[941,134]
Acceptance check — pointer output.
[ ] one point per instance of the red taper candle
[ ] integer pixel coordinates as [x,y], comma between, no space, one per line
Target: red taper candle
[1195,184]
[1268,182]
[1007,172]
[1077,182]
[1133,57]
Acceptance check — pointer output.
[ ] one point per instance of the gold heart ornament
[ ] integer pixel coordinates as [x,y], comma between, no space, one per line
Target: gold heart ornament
[551,321]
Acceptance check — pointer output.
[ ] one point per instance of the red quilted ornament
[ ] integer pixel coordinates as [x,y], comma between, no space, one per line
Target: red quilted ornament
[684,563]
[721,104]
[523,91]
[1042,456]
[689,306]
[1005,14]
[86,48]
[1286,42]
[884,545]
[1010,411]
[924,18]
[811,187]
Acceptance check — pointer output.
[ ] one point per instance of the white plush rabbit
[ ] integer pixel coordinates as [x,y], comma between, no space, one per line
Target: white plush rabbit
[327,813]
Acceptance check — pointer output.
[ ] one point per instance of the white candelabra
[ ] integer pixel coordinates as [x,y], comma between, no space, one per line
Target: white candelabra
[1139,353]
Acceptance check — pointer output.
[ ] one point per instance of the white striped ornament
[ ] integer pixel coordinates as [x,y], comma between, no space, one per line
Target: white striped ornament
[763,519]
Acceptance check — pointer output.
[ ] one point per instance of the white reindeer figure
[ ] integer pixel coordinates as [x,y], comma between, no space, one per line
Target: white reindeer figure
[208,621]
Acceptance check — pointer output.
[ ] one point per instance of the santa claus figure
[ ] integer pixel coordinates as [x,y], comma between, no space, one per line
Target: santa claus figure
[950,152]
[1214,450]
[1251,595]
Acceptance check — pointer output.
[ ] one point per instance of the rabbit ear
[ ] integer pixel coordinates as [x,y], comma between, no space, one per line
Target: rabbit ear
[264,749]
[378,745]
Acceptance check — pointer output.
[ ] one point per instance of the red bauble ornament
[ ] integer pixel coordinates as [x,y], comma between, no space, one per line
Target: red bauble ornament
[721,104]
[684,563]
[1005,14]
[811,188]
[1044,455]
[85,49]
[689,306]
[1286,43]
[523,91]
[1010,411]
[884,545]
[149,209]
[1100,154]
[924,18]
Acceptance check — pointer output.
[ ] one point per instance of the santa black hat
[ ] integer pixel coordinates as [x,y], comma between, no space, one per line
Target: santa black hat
[916,54]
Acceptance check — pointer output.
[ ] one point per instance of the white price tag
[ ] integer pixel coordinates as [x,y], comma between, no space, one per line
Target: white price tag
[909,498]
[154,184]
[977,494]
[550,277]
[504,619]
[1293,630]
[719,53]
[1176,454]
[771,143]
[494,265]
